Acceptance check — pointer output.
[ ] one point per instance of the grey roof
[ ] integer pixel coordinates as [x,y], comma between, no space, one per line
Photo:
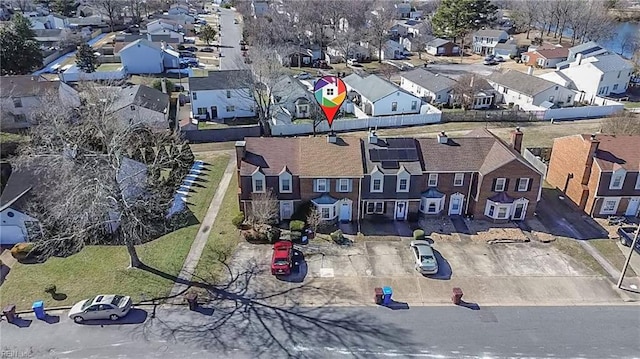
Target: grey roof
[612,62]
[371,87]
[47,32]
[508,45]
[166,38]
[489,33]
[144,42]
[288,89]
[585,48]
[429,80]
[521,82]
[141,95]
[222,80]
[437,42]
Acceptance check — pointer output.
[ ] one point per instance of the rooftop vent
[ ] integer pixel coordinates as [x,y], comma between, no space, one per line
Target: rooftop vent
[332,138]
[442,137]
[373,138]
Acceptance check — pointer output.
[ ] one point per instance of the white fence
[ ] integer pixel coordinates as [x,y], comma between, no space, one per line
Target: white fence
[349,124]
[74,75]
[604,108]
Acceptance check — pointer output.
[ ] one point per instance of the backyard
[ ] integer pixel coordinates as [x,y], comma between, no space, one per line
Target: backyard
[103,269]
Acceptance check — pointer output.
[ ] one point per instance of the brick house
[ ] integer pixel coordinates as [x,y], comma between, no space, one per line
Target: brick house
[302,169]
[545,58]
[599,173]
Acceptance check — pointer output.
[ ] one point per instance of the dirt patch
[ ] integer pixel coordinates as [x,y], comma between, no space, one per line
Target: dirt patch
[484,231]
[439,229]
[539,231]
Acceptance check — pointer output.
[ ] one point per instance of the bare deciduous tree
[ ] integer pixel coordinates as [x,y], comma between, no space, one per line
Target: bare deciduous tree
[590,21]
[380,21]
[265,208]
[112,9]
[465,89]
[525,14]
[101,177]
[314,218]
[626,123]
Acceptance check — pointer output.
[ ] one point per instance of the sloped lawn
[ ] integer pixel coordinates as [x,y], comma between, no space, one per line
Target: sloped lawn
[103,269]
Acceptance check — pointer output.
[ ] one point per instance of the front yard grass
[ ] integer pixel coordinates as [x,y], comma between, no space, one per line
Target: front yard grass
[572,248]
[222,240]
[631,104]
[103,269]
[610,250]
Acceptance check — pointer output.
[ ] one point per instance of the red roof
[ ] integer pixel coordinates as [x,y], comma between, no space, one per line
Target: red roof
[558,52]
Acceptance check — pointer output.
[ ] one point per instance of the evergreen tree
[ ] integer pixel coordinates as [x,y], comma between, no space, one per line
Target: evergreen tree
[63,7]
[456,18]
[19,51]
[86,60]
[207,34]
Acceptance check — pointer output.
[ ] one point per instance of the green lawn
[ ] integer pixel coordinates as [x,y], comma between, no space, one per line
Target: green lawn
[109,67]
[222,240]
[610,250]
[629,104]
[103,269]
[6,137]
[572,248]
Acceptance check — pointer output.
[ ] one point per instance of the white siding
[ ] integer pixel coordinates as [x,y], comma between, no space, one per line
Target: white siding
[243,104]
[441,96]
[383,106]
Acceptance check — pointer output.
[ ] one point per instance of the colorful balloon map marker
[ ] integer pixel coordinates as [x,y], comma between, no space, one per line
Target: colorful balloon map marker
[330,92]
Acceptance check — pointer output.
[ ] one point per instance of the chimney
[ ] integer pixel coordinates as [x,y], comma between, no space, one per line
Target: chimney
[442,137]
[593,147]
[241,147]
[578,59]
[332,138]
[516,140]
[373,139]
[530,71]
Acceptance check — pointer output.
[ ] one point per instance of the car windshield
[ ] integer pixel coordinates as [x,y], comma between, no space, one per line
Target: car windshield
[88,303]
[281,262]
[117,299]
[427,258]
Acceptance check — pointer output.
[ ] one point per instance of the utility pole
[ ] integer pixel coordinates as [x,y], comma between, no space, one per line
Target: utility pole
[626,264]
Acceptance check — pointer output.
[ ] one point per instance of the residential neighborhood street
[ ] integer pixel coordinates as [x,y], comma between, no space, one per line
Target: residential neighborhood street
[247,329]
[230,36]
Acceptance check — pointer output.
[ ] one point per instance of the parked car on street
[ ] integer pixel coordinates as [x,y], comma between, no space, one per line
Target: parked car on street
[499,59]
[206,49]
[282,258]
[109,306]
[303,76]
[191,48]
[626,236]
[425,260]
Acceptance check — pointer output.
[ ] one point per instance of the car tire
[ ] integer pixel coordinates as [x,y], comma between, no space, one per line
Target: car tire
[78,319]
[623,242]
[114,317]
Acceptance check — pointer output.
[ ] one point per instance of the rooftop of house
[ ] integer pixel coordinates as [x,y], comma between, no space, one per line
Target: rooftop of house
[437,42]
[509,44]
[288,89]
[140,95]
[142,42]
[25,86]
[371,87]
[222,80]
[616,152]
[391,154]
[490,33]
[611,62]
[303,156]
[586,48]
[429,80]
[518,81]
[560,78]
[555,53]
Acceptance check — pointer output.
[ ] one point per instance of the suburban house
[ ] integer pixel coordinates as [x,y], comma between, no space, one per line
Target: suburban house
[297,58]
[178,9]
[140,104]
[603,75]
[145,57]
[484,95]
[433,88]
[391,50]
[298,170]
[588,49]
[526,90]
[442,47]
[412,44]
[175,36]
[398,30]
[507,49]
[377,97]
[599,173]
[21,96]
[47,38]
[354,51]
[484,41]
[403,9]
[292,100]
[51,21]
[163,24]
[222,95]
[476,175]
[545,58]
[259,7]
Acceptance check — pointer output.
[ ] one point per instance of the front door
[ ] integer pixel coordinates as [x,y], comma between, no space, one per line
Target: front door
[455,206]
[345,211]
[633,207]
[401,211]
[286,209]
[519,211]
[214,112]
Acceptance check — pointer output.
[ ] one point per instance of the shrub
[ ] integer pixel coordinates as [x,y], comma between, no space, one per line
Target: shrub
[252,235]
[21,250]
[238,220]
[337,236]
[418,234]
[50,288]
[295,236]
[296,225]
[301,213]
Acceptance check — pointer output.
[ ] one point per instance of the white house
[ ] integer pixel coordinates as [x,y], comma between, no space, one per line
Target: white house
[145,57]
[377,97]
[177,37]
[355,51]
[601,75]
[484,41]
[527,91]
[222,95]
[140,104]
[177,9]
[15,225]
[433,88]
[162,24]
[391,50]
[588,49]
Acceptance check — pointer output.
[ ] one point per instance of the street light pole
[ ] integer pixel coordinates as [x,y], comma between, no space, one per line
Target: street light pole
[626,264]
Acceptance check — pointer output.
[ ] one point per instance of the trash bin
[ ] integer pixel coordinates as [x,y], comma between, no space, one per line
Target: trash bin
[9,312]
[456,298]
[38,309]
[386,295]
[192,300]
[378,297]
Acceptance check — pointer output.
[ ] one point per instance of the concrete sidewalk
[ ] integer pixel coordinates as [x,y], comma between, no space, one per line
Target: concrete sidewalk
[202,236]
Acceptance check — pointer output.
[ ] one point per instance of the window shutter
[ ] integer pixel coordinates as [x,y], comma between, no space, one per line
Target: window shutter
[517,184]
[315,185]
[506,184]
[530,184]
[350,185]
[493,185]
[337,184]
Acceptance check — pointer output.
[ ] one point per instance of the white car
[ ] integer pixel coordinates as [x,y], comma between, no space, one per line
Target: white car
[352,61]
[303,76]
[425,260]
[109,306]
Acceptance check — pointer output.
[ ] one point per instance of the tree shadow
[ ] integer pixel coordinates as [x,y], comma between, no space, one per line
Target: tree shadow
[4,271]
[273,321]
[135,316]
[299,270]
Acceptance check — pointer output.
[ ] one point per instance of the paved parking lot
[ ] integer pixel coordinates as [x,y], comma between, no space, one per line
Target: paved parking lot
[498,274]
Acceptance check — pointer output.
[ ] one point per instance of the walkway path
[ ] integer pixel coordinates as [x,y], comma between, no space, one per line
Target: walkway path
[200,241]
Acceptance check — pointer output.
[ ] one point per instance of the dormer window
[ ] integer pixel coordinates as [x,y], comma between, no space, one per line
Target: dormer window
[617,179]
[285,180]
[258,181]
[403,181]
[377,180]
[228,94]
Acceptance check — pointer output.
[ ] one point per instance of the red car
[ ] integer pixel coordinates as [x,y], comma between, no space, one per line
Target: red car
[282,259]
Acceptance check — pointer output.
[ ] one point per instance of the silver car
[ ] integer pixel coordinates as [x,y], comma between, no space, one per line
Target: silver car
[425,260]
[111,307]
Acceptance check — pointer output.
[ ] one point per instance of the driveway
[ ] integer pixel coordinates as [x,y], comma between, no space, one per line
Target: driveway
[499,274]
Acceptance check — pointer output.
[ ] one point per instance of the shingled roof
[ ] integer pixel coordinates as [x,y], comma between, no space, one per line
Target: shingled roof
[521,82]
[25,86]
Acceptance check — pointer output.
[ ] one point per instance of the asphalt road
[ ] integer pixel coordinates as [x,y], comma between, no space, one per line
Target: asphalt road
[454,71]
[250,330]
[230,36]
